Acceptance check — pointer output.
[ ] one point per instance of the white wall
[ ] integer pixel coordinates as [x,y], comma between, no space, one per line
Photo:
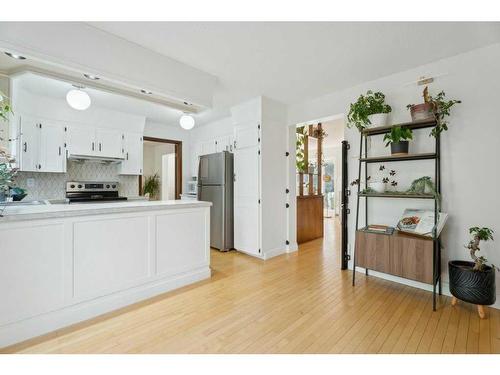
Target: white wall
[470,152]
[175,133]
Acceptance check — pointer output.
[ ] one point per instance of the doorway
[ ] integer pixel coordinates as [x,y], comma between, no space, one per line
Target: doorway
[162,178]
[321,181]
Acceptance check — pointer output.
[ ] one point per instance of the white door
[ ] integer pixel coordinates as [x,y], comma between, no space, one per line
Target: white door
[81,140]
[30,143]
[133,147]
[52,153]
[109,143]
[247,191]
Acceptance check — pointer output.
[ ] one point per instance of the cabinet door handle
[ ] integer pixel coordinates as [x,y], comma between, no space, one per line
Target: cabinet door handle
[100,146]
[92,146]
[127,155]
[25,146]
[59,150]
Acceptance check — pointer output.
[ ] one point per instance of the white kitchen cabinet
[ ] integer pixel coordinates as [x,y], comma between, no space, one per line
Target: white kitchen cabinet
[260,187]
[133,149]
[109,143]
[29,144]
[223,144]
[81,140]
[208,147]
[42,145]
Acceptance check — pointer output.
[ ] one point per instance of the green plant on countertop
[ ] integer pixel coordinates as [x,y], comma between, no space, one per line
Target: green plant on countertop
[441,108]
[398,134]
[152,186]
[366,105]
[478,235]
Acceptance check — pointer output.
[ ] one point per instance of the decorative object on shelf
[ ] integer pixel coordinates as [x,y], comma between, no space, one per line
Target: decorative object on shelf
[376,228]
[368,110]
[152,186]
[311,168]
[474,282]
[421,222]
[433,108]
[398,138]
[424,185]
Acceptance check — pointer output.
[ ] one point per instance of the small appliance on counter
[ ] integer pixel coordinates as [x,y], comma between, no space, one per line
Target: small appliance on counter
[94,192]
[192,186]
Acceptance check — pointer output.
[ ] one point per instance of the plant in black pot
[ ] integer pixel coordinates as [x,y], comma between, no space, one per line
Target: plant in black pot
[398,138]
[474,282]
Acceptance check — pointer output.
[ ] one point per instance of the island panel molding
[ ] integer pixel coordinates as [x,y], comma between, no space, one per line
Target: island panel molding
[79,261]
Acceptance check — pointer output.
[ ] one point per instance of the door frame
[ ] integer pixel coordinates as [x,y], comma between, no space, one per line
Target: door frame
[178,164]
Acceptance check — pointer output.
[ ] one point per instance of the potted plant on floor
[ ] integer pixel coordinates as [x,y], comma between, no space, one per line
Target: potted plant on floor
[474,282]
[433,108]
[398,138]
[369,110]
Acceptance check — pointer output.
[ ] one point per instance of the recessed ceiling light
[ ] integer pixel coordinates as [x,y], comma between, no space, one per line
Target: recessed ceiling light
[90,76]
[14,56]
[146,92]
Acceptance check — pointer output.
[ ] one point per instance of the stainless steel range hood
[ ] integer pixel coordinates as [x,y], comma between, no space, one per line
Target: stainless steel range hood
[94,159]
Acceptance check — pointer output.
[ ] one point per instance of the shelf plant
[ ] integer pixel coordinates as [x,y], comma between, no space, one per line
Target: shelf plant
[398,138]
[474,281]
[301,163]
[433,107]
[369,109]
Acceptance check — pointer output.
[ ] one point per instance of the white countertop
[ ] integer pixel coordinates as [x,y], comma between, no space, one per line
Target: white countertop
[33,212]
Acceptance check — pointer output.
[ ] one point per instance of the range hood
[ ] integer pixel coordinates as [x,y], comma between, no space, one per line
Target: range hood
[94,159]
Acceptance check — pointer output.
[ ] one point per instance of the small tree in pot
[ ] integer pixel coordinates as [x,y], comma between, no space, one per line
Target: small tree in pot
[474,282]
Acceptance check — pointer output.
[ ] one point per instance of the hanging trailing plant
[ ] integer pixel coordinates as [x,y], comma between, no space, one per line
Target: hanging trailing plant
[300,152]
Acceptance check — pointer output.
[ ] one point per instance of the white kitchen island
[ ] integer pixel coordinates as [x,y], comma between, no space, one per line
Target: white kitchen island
[64,263]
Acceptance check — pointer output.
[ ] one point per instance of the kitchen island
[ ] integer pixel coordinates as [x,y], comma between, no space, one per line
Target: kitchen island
[64,263]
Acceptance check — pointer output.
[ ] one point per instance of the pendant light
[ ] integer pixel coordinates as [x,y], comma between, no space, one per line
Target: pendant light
[78,99]
[186,121]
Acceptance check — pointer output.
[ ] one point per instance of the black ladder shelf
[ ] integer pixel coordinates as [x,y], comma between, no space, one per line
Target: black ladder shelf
[436,258]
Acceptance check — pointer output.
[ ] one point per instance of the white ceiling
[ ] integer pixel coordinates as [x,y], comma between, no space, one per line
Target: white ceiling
[58,89]
[294,61]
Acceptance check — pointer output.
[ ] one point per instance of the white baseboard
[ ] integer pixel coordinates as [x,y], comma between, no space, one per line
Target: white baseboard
[29,328]
[293,247]
[415,284]
[268,254]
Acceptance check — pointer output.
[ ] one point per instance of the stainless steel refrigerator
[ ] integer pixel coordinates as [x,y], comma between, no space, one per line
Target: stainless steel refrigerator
[215,184]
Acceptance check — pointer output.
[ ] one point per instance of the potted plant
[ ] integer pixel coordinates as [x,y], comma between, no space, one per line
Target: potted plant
[299,146]
[152,186]
[369,109]
[433,108]
[398,138]
[474,282]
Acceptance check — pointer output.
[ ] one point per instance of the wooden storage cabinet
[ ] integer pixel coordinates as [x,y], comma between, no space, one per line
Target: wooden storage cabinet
[398,255]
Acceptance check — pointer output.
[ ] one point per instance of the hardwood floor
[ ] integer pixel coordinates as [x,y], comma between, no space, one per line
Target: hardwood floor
[296,303]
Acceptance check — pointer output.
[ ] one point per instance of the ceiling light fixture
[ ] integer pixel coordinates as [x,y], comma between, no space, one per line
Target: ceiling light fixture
[78,99]
[90,76]
[146,92]
[186,121]
[15,56]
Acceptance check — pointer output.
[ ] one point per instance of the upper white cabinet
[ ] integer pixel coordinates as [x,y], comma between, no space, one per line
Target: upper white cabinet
[98,142]
[133,149]
[42,145]
[224,143]
[109,143]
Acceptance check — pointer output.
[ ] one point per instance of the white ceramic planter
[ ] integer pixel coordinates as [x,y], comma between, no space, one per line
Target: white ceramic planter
[378,119]
[379,187]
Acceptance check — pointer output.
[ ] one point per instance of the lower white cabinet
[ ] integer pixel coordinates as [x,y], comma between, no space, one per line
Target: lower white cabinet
[42,145]
[133,158]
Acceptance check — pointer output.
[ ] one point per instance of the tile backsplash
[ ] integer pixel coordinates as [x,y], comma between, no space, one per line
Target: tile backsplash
[53,185]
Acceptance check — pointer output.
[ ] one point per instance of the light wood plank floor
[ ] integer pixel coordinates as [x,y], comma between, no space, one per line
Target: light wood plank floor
[297,303]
